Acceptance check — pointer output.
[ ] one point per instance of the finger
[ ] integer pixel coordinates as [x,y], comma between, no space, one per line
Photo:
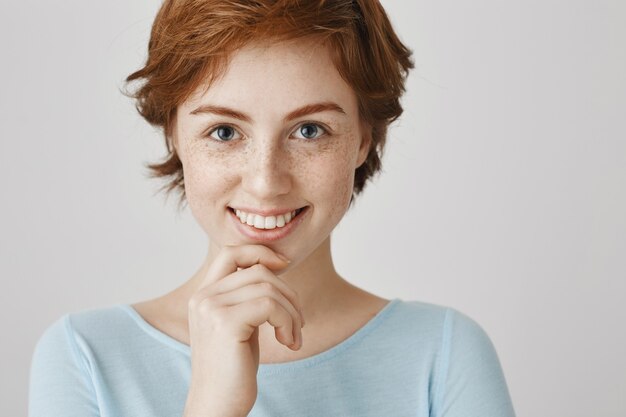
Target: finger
[242,256]
[256,274]
[257,311]
[261,289]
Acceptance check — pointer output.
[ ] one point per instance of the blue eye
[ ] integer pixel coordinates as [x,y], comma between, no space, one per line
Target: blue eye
[224,133]
[310,131]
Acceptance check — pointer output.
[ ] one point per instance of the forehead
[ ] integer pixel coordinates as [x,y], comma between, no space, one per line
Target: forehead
[279,76]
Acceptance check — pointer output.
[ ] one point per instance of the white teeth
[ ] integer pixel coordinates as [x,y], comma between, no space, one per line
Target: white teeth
[259,221]
[280,221]
[269,222]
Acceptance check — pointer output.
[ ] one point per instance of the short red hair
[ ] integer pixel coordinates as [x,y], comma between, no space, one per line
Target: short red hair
[191,41]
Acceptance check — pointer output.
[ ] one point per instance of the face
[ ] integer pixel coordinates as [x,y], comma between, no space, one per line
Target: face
[278,134]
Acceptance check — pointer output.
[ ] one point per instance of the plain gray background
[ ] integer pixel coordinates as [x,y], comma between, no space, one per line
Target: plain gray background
[503,193]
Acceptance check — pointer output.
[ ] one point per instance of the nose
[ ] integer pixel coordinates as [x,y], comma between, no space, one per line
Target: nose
[267,173]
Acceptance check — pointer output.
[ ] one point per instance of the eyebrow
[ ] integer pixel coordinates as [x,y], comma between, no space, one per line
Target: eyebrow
[314,108]
[222,111]
[299,112]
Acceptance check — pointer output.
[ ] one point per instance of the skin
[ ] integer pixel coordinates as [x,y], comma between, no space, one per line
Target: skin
[270,163]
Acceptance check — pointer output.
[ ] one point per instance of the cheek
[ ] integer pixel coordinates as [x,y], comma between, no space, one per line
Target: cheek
[344,177]
[342,183]
[330,177]
[206,178]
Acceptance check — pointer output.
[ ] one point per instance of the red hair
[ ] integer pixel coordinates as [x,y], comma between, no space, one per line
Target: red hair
[191,41]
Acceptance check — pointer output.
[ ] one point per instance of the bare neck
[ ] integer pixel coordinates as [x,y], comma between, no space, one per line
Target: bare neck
[314,279]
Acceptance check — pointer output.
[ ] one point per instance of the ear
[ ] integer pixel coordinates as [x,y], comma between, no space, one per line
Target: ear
[174,139]
[366,142]
[172,135]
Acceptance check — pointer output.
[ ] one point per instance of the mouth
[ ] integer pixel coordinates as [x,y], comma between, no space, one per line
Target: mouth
[265,229]
[260,222]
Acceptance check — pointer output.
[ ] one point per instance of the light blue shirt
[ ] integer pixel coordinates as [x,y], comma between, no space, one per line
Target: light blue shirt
[411,359]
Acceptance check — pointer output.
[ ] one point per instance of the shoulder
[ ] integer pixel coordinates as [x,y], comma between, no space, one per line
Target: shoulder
[99,323]
[422,318]
[65,326]
[440,318]
[61,373]
[76,333]
[64,350]
[55,341]
[448,333]
[467,375]
[103,319]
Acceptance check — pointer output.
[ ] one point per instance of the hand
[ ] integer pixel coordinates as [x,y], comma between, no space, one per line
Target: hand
[239,293]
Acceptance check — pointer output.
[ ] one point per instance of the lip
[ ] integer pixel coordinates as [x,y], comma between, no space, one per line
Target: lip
[267,235]
[266,213]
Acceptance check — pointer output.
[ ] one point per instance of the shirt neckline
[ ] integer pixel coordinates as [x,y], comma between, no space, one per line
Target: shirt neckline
[272,368]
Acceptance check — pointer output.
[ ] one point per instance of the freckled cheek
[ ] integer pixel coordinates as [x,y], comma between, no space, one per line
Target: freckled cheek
[344,162]
[207,178]
[343,192]
[330,182]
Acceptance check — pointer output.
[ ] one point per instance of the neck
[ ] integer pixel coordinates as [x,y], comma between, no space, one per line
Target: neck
[314,279]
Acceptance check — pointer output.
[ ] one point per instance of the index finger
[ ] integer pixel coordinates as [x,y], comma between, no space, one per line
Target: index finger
[242,256]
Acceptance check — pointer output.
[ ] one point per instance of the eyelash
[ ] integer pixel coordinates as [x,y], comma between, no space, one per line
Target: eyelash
[325,131]
[214,129]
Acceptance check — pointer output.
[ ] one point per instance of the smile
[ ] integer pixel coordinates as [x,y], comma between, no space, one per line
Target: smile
[266,222]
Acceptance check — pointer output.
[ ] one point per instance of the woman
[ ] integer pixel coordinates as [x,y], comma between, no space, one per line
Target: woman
[274,115]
